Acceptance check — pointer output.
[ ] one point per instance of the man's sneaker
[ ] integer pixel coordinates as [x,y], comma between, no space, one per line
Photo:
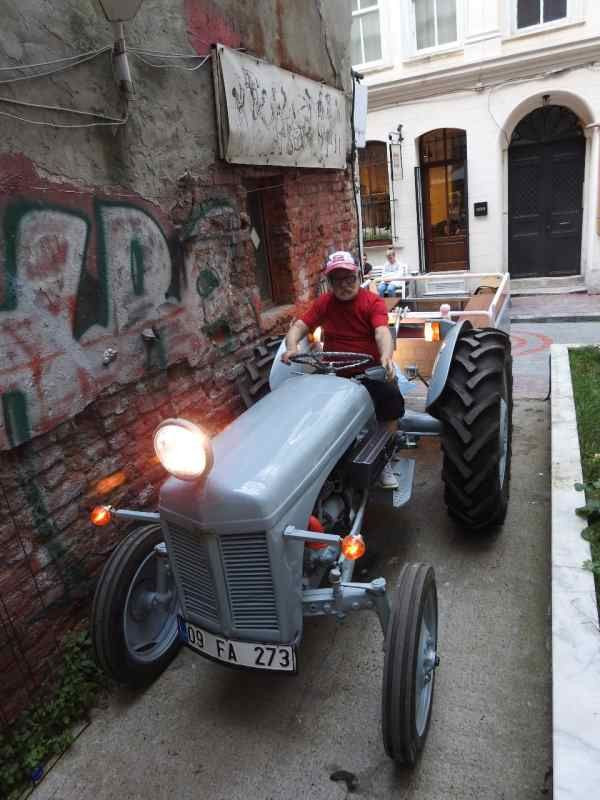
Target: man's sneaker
[387,479]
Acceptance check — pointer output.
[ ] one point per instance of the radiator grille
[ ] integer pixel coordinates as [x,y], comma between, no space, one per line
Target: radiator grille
[249,581]
[191,563]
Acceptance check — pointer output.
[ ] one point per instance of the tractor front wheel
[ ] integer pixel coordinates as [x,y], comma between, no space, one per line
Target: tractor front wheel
[409,664]
[134,615]
[476,408]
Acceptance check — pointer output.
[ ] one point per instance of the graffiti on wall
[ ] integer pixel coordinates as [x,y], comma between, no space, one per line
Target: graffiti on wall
[78,281]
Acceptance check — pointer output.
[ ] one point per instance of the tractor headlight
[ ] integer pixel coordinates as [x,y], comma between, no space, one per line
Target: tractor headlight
[183,449]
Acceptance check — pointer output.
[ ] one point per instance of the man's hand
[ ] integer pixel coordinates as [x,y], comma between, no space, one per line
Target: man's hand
[291,351]
[385,345]
[388,364]
[297,331]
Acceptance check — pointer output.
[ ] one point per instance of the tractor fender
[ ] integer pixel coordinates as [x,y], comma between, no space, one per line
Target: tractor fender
[441,365]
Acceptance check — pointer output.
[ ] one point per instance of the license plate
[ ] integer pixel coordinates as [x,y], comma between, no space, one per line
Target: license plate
[257,655]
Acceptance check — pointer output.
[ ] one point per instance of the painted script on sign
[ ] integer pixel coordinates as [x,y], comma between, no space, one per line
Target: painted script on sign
[268,115]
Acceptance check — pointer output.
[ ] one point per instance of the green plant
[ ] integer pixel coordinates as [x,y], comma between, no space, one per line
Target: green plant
[45,729]
[585,372]
[591,513]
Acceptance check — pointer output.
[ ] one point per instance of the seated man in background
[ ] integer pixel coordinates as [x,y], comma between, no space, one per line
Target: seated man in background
[355,320]
[393,275]
[367,268]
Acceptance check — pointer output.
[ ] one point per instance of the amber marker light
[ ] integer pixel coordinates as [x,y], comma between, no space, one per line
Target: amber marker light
[101,515]
[353,546]
[432,331]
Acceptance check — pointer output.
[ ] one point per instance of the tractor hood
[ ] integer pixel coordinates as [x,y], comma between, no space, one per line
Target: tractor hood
[272,454]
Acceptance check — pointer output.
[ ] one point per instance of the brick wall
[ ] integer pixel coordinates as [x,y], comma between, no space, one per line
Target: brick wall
[51,553]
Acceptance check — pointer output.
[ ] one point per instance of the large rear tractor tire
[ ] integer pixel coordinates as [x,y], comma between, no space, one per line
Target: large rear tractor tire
[476,408]
[134,615]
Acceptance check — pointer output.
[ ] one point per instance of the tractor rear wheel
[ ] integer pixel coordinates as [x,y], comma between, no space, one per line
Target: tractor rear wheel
[476,408]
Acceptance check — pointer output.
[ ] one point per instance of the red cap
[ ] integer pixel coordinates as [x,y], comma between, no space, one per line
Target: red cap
[340,260]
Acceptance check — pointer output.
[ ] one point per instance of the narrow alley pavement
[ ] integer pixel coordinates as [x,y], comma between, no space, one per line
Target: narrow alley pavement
[202,731]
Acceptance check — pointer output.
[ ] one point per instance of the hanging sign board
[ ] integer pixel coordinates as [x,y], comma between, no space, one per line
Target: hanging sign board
[267,115]
[360,114]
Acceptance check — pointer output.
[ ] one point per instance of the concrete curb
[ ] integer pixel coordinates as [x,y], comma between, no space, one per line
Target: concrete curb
[519,318]
[575,625]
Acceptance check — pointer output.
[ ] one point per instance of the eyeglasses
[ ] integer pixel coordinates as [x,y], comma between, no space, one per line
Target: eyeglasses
[347,280]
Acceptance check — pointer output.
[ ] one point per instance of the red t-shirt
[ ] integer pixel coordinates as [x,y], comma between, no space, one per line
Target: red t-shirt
[348,326]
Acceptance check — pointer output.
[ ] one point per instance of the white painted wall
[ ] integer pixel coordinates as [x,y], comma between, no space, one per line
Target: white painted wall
[487,30]
[513,72]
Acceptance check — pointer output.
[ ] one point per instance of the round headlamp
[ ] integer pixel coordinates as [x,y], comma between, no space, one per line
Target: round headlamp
[183,449]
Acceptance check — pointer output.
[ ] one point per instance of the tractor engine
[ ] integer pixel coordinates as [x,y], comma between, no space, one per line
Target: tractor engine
[332,514]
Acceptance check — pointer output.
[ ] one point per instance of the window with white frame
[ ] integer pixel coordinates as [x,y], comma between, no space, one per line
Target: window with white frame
[366,32]
[436,23]
[539,12]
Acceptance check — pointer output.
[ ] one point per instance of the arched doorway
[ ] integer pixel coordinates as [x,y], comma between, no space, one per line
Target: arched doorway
[442,186]
[546,162]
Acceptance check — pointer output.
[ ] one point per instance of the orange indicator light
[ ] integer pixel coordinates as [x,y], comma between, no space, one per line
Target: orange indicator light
[353,547]
[100,515]
[432,331]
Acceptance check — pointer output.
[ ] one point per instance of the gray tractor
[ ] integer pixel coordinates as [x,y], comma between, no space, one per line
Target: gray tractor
[263,525]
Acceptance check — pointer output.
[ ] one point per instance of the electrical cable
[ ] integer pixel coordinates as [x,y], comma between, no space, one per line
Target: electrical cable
[170,66]
[61,124]
[57,60]
[161,54]
[105,119]
[64,68]
[27,104]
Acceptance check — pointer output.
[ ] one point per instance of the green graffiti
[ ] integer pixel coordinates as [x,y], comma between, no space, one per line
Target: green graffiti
[207,282]
[218,330]
[137,266]
[16,420]
[13,216]
[93,296]
[72,574]
[199,212]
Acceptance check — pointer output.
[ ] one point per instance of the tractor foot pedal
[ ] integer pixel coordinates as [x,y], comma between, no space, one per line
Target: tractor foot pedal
[404,470]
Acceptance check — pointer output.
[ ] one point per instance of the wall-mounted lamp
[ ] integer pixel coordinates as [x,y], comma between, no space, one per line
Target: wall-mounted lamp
[117,12]
[545,99]
[395,139]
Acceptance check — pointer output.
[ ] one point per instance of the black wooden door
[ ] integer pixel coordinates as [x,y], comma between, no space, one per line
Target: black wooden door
[545,191]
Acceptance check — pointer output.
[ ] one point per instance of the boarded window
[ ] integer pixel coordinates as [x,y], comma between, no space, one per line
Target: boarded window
[270,240]
[375,193]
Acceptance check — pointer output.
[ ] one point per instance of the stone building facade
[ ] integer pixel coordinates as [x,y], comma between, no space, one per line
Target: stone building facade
[492,111]
[131,285]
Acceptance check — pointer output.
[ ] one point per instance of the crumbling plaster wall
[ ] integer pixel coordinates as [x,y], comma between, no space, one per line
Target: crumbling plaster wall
[127,288]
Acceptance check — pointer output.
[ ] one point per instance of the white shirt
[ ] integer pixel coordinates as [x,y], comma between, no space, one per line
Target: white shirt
[394,271]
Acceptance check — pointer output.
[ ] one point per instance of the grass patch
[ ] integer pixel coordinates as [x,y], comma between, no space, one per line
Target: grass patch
[585,373]
[45,729]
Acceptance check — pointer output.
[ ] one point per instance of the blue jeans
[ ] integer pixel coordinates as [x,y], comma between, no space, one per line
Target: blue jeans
[390,288]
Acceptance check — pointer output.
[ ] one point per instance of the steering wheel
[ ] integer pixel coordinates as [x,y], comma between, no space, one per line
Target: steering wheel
[329,362]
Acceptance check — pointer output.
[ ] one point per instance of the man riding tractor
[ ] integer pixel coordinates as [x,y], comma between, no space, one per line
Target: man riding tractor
[355,320]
